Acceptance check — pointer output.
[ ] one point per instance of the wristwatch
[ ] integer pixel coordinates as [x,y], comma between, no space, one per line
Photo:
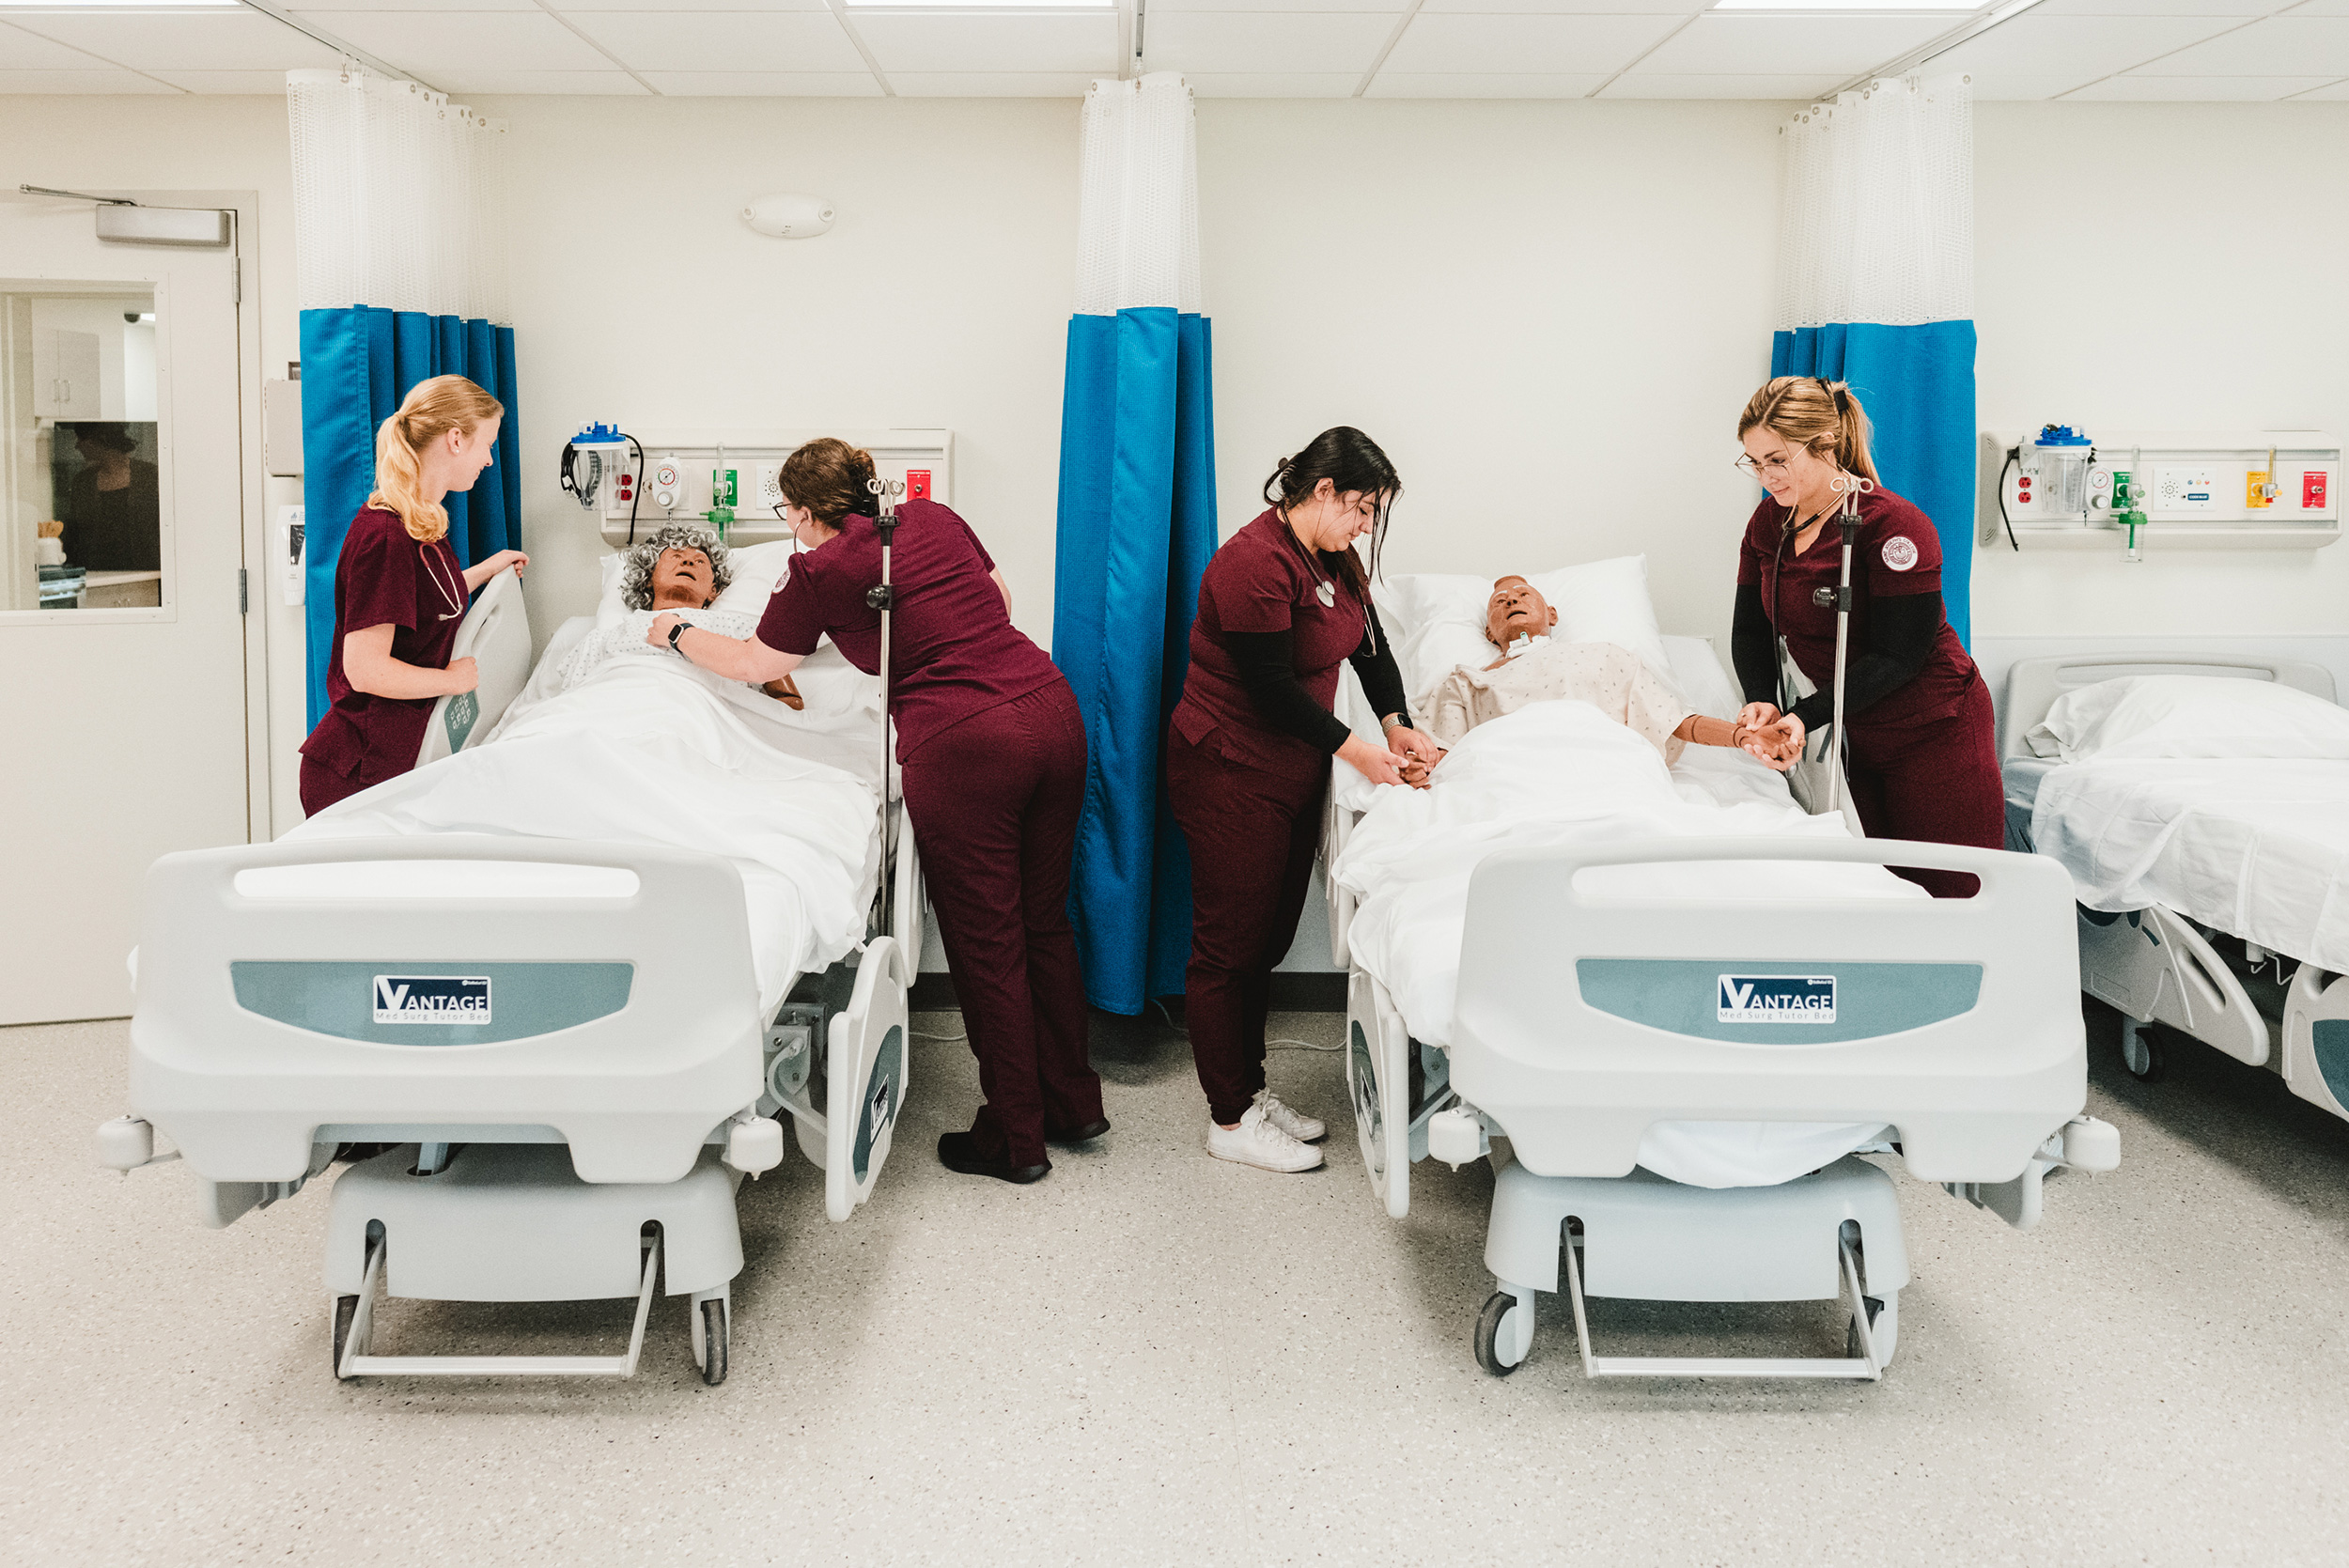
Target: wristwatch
[675,632]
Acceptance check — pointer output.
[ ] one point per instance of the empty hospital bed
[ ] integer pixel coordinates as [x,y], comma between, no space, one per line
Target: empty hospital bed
[578,1041]
[2212,874]
[1594,1015]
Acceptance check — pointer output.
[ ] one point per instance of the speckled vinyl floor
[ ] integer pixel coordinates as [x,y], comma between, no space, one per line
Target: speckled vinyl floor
[1152,1357]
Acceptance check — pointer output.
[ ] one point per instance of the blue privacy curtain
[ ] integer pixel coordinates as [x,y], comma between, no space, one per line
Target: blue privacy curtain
[399,246]
[1137,526]
[1876,290]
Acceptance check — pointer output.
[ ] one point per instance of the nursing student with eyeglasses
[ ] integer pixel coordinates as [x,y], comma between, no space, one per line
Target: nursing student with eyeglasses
[1922,750]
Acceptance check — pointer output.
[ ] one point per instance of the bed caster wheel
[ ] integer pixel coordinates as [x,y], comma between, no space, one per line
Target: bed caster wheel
[1497,1338]
[2139,1052]
[709,1341]
[1884,1326]
[346,1312]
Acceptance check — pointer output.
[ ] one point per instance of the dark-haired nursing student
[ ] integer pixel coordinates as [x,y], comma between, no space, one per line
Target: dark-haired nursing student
[1284,602]
[992,750]
[1923,753]
[400,593]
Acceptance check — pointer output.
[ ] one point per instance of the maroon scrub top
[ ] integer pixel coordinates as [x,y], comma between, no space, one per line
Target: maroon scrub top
[385,578]
[1262,580]
[1897,552]
[953,651]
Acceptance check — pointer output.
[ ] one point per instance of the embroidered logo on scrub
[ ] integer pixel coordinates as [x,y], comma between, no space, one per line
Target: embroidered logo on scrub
[1900,552]
[441,999]
[1777,999]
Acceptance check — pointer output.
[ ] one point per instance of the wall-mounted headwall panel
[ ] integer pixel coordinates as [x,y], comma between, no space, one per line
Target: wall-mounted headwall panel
[698,458]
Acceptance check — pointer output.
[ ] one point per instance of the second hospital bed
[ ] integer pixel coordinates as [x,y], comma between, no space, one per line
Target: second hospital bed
[2212,890]
[1590,1013]
[565,973]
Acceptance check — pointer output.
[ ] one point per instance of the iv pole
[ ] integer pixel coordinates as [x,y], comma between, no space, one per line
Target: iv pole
[1851,486]
[883,597]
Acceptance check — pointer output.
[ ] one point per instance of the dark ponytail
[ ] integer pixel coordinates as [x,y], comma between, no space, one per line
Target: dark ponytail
[1354,465]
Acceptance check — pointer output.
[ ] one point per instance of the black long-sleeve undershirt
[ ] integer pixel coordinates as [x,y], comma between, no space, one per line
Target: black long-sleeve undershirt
[1902,628]
[1267,672]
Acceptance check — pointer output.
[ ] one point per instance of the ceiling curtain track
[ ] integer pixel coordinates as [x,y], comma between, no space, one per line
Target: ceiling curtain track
[1137,522]
[1876,287]
[399,251]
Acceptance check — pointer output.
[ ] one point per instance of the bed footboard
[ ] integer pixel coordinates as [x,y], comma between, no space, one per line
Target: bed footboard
[1584,1018]
[601,995]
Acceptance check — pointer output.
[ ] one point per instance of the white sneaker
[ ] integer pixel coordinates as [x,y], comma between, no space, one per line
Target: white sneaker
[1304,1128]
[1259,1141]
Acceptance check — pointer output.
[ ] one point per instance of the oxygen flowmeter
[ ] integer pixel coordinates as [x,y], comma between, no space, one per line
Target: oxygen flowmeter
[724,487]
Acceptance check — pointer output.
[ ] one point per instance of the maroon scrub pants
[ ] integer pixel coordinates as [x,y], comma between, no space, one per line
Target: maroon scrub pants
[1938,783]
[321,786]
[1252,834]
[994,800]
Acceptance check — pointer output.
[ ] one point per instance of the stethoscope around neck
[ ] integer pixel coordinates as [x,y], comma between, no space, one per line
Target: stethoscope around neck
[1326,587]
[456,602]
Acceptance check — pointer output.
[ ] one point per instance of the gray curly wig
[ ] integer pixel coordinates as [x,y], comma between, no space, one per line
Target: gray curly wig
[636,570]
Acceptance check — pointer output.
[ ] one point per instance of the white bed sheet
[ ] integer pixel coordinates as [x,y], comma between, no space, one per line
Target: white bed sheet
[1564,773]
[657,751]
[2255,847]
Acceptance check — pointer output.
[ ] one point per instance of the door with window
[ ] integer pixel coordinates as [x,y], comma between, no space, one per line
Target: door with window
[121,615]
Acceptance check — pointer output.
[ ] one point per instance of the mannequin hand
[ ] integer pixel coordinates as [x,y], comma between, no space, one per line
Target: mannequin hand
[1376,763]
[786,691]
[1755,715]
[1415,773]
[1779,743]
[463,675]
[658,633]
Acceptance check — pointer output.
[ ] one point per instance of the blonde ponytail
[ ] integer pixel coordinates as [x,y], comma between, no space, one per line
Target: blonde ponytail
[431,408]
[1823,416]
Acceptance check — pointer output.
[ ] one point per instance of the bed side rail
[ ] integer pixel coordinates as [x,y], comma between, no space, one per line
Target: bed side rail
[605,990]
[495,635]
[1585,1015]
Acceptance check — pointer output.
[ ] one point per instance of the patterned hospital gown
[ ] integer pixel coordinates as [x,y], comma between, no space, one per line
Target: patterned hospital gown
[627,638]
[1608,677]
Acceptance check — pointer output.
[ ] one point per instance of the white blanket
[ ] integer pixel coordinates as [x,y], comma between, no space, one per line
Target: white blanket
[2258,847]
[1562,773]
[656,751]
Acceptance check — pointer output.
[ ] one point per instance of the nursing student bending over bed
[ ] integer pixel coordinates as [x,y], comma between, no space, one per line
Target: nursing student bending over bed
[1534,667]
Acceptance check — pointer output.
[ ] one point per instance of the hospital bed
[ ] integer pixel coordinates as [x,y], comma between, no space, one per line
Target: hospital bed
[574,1049]
[1953,1024]
[2189,957]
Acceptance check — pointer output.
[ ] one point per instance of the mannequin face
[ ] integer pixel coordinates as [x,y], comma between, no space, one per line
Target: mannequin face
[681,579]
[1516,609]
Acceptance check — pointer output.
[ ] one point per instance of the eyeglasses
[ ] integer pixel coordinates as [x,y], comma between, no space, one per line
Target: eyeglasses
[1757,469]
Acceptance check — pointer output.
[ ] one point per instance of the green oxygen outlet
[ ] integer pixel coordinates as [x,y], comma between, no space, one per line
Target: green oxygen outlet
[721,498]
[719,518]
[2127,513]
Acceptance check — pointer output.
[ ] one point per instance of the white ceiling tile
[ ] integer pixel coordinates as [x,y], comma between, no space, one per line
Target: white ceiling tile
[326,24]
[100,80]
[260,83]
[568,6]
[2300,45]
[1390,9]
[2025,86]
[765,84]
[24,51]
[1637,84]
[2090,46]
[1392,83]
[442,45]
[2194,90]
[2338,92]
[1810,45]
[201,40]
[1287,44]
[606,83]
[723,41]
[1273,83]
[1567,45]
[1568,7]
[2159,8]
[1037,40]
[997,84]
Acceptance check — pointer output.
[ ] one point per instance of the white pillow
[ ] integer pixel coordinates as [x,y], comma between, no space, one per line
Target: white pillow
[2190,716]
[1437,619]
[831,686]
[757,568]
[1705,685]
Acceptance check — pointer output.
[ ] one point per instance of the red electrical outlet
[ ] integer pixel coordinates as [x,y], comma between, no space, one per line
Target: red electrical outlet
[2312,490]
[918,483]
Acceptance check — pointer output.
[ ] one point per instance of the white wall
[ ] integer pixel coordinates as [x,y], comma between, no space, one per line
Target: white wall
[1549,313]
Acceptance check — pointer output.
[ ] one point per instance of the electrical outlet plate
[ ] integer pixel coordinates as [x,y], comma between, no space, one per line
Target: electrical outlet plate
[2186,488]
